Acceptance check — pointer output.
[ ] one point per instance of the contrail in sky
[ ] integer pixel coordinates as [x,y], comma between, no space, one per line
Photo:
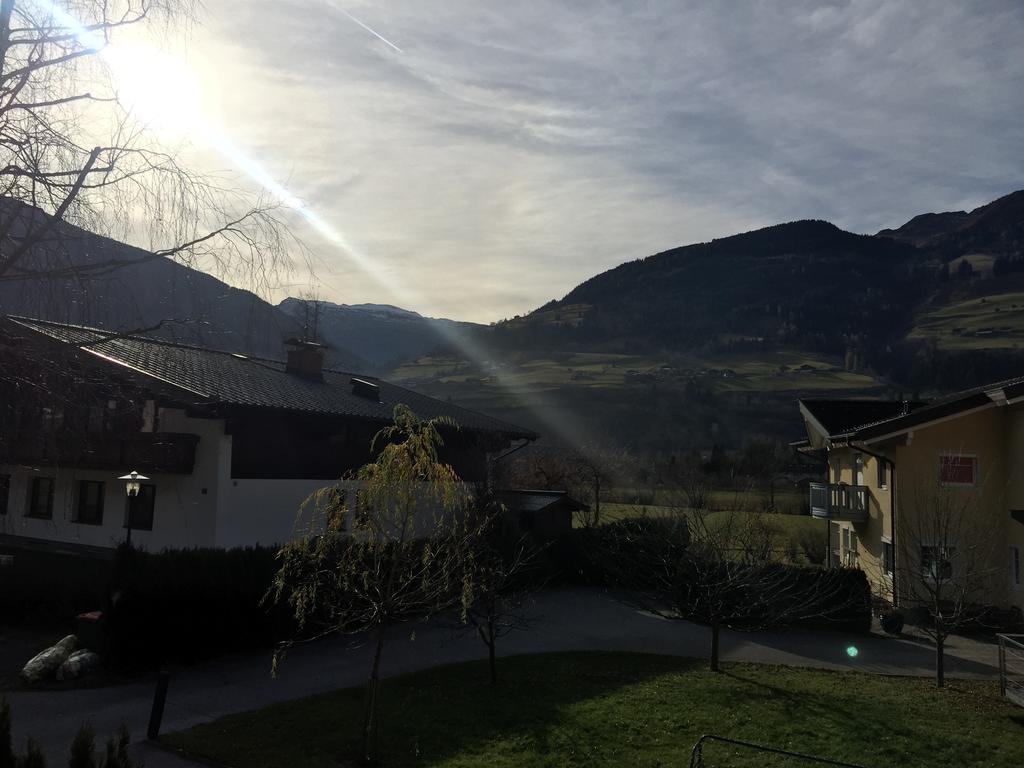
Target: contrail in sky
[564,425]
[373,32]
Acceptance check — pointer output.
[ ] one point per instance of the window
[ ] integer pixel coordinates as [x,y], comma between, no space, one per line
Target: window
[958,469]
[887,559]
[936,562]
[1015,567]
[849,547]
[5,492]
[90,502]
[40,499]
[883,474]
[140,509]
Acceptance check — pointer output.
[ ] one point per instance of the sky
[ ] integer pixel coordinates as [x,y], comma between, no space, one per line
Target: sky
[485,157]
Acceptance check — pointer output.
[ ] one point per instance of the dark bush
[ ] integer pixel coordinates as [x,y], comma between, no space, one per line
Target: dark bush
[596,556]
[191,604]
[892,623]
[826,598]
[50,588]
[7,759]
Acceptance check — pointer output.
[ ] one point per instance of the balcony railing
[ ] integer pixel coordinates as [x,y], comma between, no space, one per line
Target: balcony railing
[146,452]
[839,502]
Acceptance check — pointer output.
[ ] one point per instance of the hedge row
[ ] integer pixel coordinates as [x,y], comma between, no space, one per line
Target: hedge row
[616,556]
[190,604]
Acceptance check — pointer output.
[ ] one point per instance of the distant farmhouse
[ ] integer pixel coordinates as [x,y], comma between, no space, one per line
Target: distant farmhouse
[881,454]
[230,445]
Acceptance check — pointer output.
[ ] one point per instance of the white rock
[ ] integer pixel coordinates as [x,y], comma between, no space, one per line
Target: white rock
[77,664]
[44,664]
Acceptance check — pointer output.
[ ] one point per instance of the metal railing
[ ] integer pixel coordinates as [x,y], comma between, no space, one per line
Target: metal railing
[839,501]
[1011,668]
[697,754]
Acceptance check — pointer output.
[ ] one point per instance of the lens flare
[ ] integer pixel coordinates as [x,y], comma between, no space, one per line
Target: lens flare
[149,77]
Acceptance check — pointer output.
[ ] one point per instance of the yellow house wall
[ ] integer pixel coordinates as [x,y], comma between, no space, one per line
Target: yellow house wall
[842,469]
[987,435]
[995,435]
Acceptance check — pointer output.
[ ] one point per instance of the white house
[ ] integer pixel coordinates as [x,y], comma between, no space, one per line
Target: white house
[231,445]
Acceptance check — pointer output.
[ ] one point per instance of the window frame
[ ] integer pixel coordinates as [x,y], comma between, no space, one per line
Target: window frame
[888,558]
[1015,567]
[882,475]
[32,498]
[131,513]
[82,498]
[5,493]
[959,455]
[945,556]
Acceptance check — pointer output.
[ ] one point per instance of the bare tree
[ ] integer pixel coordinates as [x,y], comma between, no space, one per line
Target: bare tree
[583,471]
[501,578]
[390,550]
[73,153]
[949,561]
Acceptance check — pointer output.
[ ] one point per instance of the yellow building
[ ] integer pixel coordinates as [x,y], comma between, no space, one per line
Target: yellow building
[917,493]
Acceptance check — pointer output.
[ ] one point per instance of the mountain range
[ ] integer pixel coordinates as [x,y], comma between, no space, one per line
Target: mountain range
[931,304]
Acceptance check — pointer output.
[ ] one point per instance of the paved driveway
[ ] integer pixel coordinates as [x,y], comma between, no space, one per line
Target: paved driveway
[570,619]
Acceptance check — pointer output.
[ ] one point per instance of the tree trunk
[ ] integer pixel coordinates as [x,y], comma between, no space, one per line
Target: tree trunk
[491,652]
[370,728]
[715,631]
[940,663]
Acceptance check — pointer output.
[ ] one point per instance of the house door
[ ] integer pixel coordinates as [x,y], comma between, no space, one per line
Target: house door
[858,478]
[834,556]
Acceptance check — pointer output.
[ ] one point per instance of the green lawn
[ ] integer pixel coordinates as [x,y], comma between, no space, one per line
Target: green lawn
[618,709]
[792,533]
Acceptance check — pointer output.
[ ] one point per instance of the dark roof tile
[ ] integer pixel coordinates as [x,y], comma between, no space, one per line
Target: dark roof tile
[213,376]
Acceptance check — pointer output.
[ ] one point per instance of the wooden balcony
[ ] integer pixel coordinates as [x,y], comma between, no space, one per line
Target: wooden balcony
[155,452]
[839,502]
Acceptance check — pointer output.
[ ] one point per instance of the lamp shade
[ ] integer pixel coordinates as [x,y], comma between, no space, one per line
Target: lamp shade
[131,482]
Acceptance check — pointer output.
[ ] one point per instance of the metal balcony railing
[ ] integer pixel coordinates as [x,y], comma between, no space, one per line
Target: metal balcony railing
[1011,667]
[839,502]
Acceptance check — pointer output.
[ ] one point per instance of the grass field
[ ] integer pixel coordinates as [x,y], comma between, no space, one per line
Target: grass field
[791,534]
[999,319]
[656,403]
[618,709]
[770,371]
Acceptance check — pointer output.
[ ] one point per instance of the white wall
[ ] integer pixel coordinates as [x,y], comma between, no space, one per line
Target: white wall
[207,508]
[264,512]
[183,515]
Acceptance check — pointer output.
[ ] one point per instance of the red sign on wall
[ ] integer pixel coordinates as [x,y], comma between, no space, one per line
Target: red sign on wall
[957,469]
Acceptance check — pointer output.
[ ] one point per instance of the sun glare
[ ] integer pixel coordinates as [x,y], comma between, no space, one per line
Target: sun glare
[156,87]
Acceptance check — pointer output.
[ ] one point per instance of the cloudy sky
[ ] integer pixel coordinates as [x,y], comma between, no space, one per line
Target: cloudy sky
[485,157]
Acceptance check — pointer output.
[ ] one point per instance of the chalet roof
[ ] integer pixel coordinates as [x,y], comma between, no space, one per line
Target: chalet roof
[539,501]
[208,376]
[868,419]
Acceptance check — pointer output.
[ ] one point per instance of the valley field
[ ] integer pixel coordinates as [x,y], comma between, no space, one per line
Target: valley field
[986,322]
[666,402]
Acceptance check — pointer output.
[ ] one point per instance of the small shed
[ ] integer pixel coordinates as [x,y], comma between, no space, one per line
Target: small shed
[544,514]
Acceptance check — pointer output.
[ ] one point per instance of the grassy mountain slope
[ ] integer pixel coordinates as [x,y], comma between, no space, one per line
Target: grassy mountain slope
[141,292]
[714,342]
[381,334]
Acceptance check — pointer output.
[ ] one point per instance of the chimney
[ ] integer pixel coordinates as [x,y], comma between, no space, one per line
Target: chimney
[305,359]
